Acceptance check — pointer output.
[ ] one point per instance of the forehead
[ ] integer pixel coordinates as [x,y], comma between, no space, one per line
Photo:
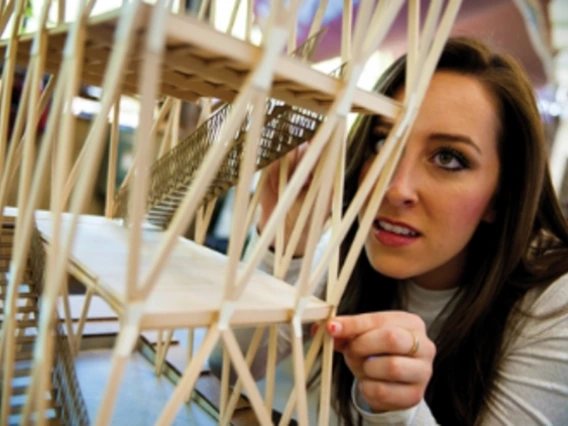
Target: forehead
[457,103]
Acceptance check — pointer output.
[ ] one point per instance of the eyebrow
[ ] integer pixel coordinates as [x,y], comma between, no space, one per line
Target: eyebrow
[450,137]
[382,126]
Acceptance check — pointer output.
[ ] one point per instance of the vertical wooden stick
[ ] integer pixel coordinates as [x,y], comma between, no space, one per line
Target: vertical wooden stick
[271,367]
[225,372]
[189,377]
[82,320]
[112,160]
[148,89]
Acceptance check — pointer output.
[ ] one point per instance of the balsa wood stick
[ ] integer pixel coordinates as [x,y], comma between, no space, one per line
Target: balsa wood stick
[225,373]
[242,194]
[327,351]
[246,377]
[82,320]
[428,31]
[310,361]
[189,376]
[159,344]
[19,260]
[6,15]
[139,193]
[67,315]
[299,370]
[203,9]
[176,112]
[166,107]
[72,60]
[412,54]
[112,81]
[60,11]
[301,221]
[233,17]
[284,167]
[112,160]
[255,341]
[271,359]
[16,149]
[318,18]
[8,80]
[253,205]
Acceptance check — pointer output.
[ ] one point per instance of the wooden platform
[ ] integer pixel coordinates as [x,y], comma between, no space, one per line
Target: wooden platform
[200,61]
[188,292]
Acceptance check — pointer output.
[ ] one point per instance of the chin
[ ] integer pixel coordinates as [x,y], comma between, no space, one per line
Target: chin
[391,266]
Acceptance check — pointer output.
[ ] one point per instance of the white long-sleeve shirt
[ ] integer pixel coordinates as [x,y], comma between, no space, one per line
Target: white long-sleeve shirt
[532,379]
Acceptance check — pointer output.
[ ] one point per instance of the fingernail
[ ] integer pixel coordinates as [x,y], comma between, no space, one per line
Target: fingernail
[334,327]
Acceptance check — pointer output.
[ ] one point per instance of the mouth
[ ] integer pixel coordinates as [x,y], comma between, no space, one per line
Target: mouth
[394,234]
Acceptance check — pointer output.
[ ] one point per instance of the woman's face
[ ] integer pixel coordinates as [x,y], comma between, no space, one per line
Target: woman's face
[443,186]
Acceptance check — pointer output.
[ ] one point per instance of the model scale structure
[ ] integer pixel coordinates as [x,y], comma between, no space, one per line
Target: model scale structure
[151,277]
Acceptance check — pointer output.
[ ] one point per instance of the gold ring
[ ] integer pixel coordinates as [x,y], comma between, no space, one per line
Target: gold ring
[415,344]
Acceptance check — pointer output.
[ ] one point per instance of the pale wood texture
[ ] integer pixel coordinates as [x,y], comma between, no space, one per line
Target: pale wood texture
[154,279]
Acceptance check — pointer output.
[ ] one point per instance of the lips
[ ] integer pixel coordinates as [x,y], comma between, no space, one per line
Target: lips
[394,234]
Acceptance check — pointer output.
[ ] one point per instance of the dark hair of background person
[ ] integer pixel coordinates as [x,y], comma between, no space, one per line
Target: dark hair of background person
[525,247]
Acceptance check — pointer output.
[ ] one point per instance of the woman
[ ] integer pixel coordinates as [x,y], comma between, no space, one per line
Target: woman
[457,310]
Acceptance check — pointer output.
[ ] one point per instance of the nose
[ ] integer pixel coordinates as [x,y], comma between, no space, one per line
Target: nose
[402,190]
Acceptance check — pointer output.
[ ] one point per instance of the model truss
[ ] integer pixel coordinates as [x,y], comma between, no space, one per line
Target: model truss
[153,278]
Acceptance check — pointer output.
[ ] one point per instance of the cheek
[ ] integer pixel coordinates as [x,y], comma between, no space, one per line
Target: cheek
[463,211]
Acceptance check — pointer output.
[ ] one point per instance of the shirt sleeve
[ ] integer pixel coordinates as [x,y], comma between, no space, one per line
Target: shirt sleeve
[532,380]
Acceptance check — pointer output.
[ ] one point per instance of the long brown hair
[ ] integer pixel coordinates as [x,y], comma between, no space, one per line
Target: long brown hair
[524,248]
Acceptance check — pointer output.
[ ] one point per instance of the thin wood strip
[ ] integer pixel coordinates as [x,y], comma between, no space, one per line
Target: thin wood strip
[311,357]
[7,342]
[233,16]
[166,107]
[346,21]
[299,374]
[9,67]
[112,159]
[225,373]
[248,382]
[413,52]
[82,320]
[255,341]
[203,9]
[122,349]
[164,351]
[67,315]
[318,19]
[159,345]
[189,355]
[156,36]
[301,220]
[189,377]
[166,143]
[284,167]
[271,359]
[176,123]
[253,205]
[432,18]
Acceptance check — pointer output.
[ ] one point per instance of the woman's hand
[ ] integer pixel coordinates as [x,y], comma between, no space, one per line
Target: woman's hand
[389,354]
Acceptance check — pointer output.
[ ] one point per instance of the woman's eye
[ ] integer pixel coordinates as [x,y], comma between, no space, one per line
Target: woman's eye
[450,159]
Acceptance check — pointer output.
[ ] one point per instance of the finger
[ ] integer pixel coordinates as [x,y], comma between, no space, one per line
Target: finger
[350,326]
[390,340]
[387,396]
[400,369]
